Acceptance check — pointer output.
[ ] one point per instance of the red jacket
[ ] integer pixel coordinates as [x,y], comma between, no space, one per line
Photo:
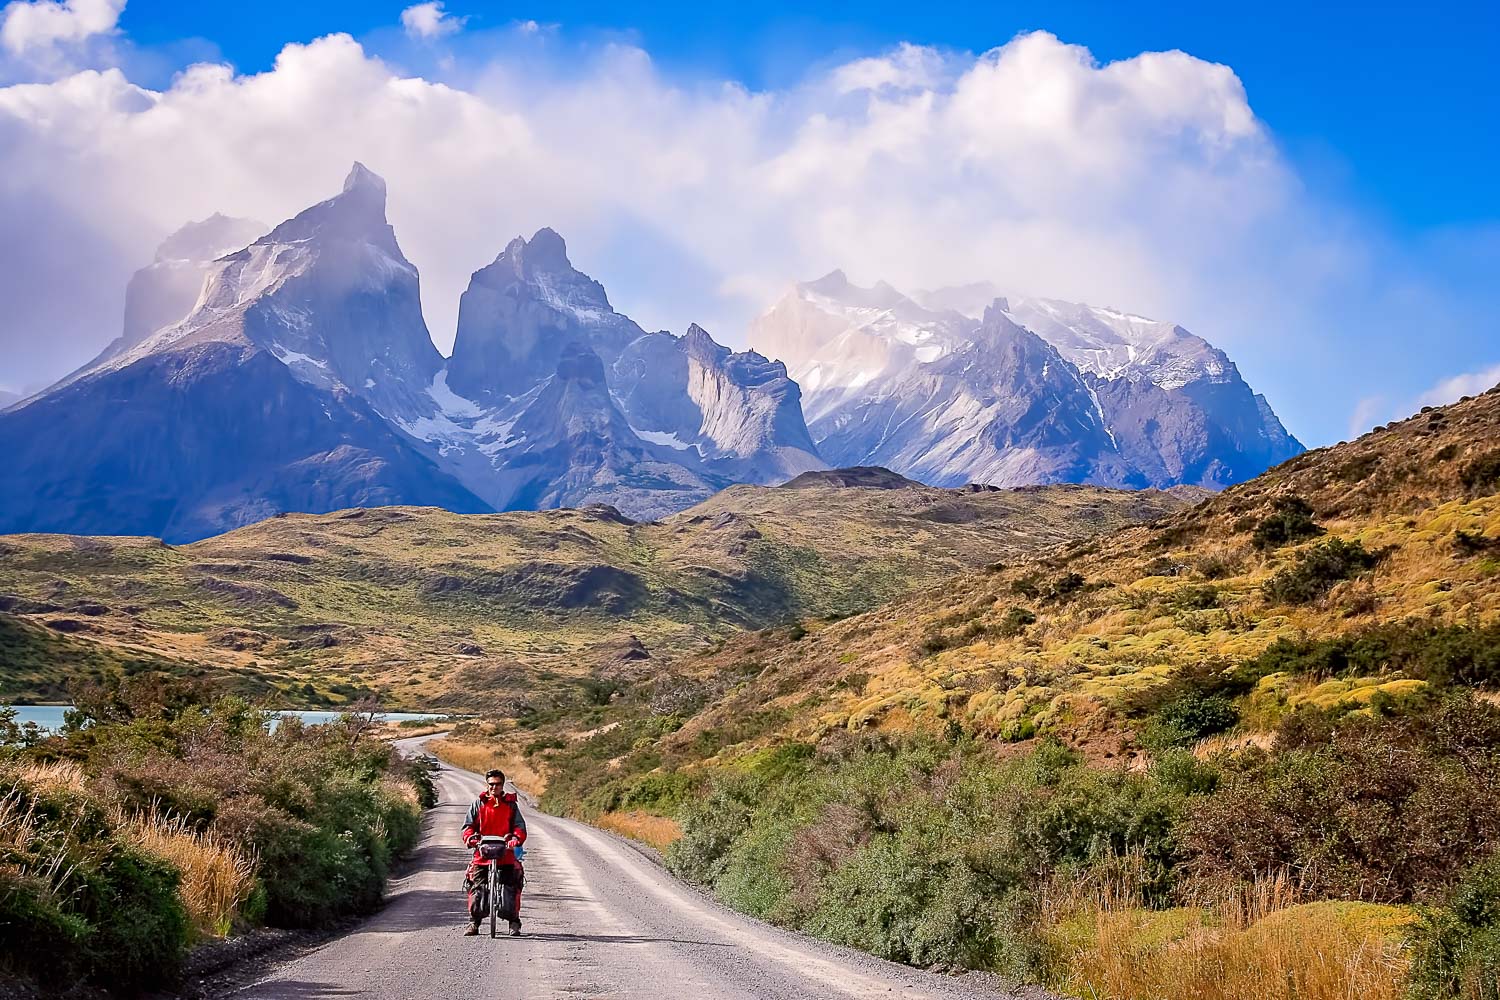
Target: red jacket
[495,816]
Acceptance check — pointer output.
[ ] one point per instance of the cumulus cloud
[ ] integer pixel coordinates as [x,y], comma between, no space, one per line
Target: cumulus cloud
[1455,387]
[28,25]
[428,21]
[1146,183]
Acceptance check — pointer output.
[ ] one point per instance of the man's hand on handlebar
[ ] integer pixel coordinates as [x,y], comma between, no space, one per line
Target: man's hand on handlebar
[473,841]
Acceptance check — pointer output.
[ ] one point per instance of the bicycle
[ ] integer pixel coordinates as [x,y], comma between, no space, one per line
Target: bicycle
[492,852]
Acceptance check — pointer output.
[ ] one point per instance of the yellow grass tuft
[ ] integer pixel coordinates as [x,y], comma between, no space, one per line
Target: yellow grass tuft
[217,878]
[657,831]
[480,757]
[1258,944]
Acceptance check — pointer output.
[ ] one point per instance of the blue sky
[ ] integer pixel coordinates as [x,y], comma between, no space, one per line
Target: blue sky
[1395,104]
[1342,248]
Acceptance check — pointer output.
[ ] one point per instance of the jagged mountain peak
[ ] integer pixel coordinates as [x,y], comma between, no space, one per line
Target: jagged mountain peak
[547,250]
[356,213]
[362,179]
[697,342]
[519,312]
[546,253]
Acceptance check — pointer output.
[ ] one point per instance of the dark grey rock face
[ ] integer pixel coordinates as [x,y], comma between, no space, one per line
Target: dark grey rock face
[738,411]
[185,444]
[574,447]
[519,313]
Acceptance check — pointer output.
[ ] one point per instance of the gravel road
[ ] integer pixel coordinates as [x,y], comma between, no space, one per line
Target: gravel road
[601,920]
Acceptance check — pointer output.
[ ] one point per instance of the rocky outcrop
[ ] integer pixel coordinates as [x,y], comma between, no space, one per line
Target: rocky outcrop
[738,411]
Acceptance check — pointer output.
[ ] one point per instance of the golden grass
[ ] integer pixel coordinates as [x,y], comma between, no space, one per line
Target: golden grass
[1260,944]
[480,757]
[657,831]
[217,878]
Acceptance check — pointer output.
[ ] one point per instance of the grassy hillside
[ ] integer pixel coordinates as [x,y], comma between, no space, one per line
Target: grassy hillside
[1398,530]
[507,612]
[1248,749]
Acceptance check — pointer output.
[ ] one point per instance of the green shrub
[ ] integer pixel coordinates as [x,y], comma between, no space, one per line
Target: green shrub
[1384,810]
[1439,654]
[1290,521]
[1456,947]
[1195,598]
[1317,570]
[1199,714]
[1482,475]
[1014,622]
[1065,587]
[321,810]
[927,852]
[94,907]
[1473,543]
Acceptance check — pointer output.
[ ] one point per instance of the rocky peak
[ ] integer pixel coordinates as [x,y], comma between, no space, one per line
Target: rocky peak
[546,251]
[696,343]
[356,213]
[521,310]
[365,182]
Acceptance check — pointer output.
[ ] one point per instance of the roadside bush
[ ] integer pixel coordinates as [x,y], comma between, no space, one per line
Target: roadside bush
[1290,521]
[1318,569]
[1384,810]
[150,821]
[1456,947]
[928,853]
[77,900]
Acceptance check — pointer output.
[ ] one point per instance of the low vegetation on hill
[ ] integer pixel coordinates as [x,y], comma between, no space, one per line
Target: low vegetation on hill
[492,612]
[1249,749]
[158,820]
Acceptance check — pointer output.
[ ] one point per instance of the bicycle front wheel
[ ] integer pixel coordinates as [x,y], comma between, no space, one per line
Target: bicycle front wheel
[494,897]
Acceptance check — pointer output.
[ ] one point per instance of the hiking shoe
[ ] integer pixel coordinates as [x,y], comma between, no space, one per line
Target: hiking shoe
[515,928]
[473,930]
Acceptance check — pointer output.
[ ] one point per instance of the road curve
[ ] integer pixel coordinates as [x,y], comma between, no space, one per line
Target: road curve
[601,920]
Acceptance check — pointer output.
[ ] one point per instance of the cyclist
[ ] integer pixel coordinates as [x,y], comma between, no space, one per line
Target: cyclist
[494,814]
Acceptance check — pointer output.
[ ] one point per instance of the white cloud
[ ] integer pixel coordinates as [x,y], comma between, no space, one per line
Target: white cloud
[1146,183]
[1366,412]
[428,20]
[907,67]
[27,25]
[1454,388]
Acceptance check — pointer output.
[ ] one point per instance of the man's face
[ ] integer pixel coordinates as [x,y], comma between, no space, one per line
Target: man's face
[497,785]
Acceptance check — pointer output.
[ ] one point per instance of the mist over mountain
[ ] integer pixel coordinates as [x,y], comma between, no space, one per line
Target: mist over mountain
[300,375]
[304,378]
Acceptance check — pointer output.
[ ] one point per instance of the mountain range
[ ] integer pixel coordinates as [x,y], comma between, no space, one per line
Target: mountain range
[964,384]
[292,370]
